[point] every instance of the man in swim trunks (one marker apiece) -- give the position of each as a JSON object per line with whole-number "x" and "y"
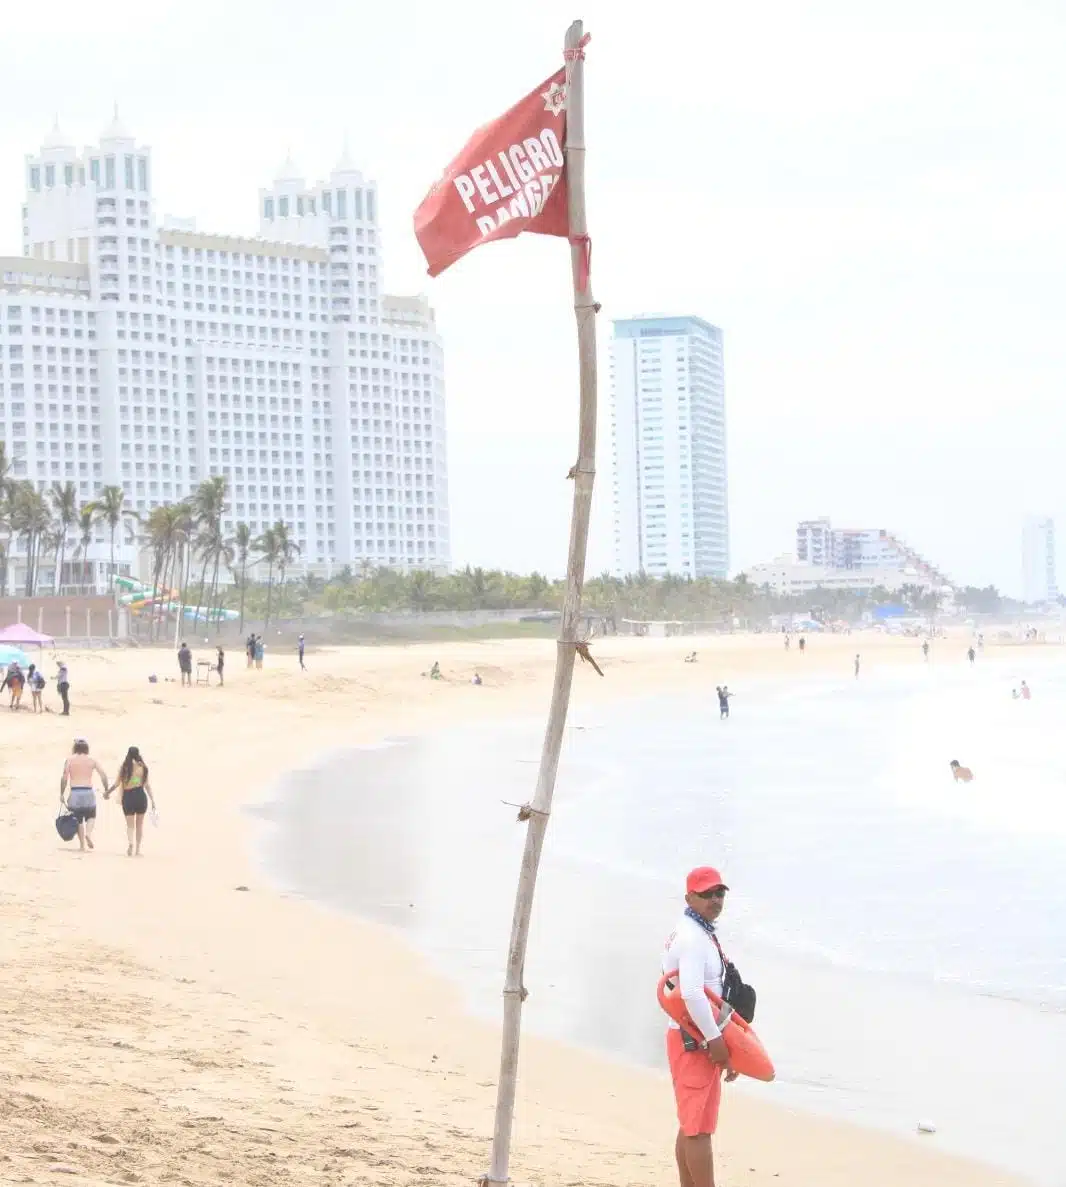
{"x": 962, "y": 774}
{"x": 698, "y": 1061}
{"x": 78, "y": 771}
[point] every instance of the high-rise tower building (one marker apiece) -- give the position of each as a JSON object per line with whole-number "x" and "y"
{"x": 1039, "y": 573}
{"x": 153, "y": 356}
{"x": 668, "y": 436}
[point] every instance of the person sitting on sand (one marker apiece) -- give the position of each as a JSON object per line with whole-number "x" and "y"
{"x": 690, "y": 658}
{"x": 78, "y": 771}
{"x": 136, "y": 793}
{"x": 962, "y": 774}
{"x": 434, "y": 672}
{"x": 36, "y": 682}
{"x": 477, "y": 678}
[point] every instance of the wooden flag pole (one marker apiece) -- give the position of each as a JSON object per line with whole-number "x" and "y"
{"x": 583, "y": 474}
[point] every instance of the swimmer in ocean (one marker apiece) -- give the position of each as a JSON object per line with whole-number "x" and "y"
{"x": 962, "y": 774}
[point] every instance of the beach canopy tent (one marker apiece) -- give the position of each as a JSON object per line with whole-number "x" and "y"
{"x": 21, "y": 634}
{"x": 15, "y": 655}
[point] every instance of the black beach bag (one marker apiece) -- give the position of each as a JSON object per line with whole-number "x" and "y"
{"x": 735, "y": 992}
{"x": 67, "y": 826}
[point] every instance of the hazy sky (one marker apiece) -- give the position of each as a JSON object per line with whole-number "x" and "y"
{"x": 870, "y": 200}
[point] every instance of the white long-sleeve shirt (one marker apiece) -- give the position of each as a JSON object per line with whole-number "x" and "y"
{"x": 693, "y": 956}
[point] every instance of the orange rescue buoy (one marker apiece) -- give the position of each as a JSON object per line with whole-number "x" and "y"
{"x": 746, "y": 1053}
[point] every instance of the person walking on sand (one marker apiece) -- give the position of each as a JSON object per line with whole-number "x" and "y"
{"x": 78, "y": 772}
{"x": 1026, "y": 693}
{"x": 36, "y": 682}
{"x": 300, "y": 652}
{"x": 136, "y": 794}
{"x": 971, "y": 655}
{"x": 63, "y": 687}
{"x": 697, "y": 1064}
{"x": 962, "y": 774}
{"x": 856, "y": 667}
{"x": 802, "y": 643}
{"x": 249, "y": 649}
{"x": 723, "y": 701}
{"x": 259, "y": 649}
{"x": 925, "y": 650}
{"x": 220, "y": 667}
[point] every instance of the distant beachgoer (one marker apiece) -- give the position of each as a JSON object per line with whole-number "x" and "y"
{"x": 925, "y": 650}
{"x": 220, "y": 667}
{"x": 803, "y": 643}
{"x": 856, "y": 667}
{"x": 36, "y": 682}
{"x": 434, "y": 672}
{"x": 962, "y": 774}
{"x": 63, "y": 687}
{"x": 132, "y": 778}
{"x": 259, "y": 649}
{"x": 788, "y": 642}
{"x": 697, "y": 1062}
{"x": 972, "y": 655}
{"x": 980, "y": 642}
{"x": 724, "y": 696}
{"x": 690, "y": 658}
{"x": 1014, "y": 694}
{"x": 477, "y": 678}
{"x": 78, "y": 771}
{"x": 1026, "y": 694}
{"x": 249, "y": 649}
{"x": 300, "y": 652}
{"x": 185, "y": 664}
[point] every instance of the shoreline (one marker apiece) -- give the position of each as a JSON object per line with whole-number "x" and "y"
{"x": 262, "y": 1035}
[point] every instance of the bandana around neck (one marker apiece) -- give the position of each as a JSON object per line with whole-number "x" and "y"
{"x": 707, "y": 926}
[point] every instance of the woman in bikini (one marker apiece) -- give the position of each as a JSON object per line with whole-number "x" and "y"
{"x": 78, "y": 772}
{"x": 136, "y": 794}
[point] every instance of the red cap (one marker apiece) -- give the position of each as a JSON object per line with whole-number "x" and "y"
{"x": 702, "y": 879}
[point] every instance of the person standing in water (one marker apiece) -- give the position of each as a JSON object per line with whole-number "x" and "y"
{"x": 697, "y": 1064}
{"x": 136, "y": 793}
{"x": 78, "y": 772}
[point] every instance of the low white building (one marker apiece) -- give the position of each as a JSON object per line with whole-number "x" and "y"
{"x": 791, "y": 578}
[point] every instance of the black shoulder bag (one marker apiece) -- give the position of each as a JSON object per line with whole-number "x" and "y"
{"x": 735, "y": 992}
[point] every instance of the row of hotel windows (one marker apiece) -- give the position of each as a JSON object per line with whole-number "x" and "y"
{"x": 134, "y": 168}
{"x": 303, "y": 204}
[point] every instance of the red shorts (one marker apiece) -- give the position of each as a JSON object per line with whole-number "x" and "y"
{"x": 697, "y": 1086}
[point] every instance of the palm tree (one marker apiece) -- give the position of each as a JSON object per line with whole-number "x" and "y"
{"x": 30, "y": 519}
{"x": 278, "y": 549}
{"x": 109, "y": 508}
{"x": 242, "y": 542}
{"x": 5, "y": 514}
{"x": 65, "y": 505}
{"x": 208, "y": 509}
{"x": 86, "y": 527}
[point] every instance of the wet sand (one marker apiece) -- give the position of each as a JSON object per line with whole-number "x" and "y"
{"x": 175, "y": 1019}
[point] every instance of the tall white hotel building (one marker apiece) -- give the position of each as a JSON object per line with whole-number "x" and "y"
{"x": 153, "y": 355}
{"x": 668, "y": 437}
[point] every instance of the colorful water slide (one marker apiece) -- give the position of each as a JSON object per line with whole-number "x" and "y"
{"x": 137, "y": 597}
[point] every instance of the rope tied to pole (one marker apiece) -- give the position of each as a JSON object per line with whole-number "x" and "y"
{"x": 584, "y": 268}
{"x": 586, "y": 656}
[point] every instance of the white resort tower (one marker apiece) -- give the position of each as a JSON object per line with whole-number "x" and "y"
{"x": 668, "y": 438}
{"x": 152, "y": 355}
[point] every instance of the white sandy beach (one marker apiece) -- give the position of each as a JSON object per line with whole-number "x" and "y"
{"x": 174, "y": 1019}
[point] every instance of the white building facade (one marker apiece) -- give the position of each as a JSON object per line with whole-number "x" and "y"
{"x": 668, "y": 438}
{"x": 1039, "y": 572}
{"x": 153, "y": 356}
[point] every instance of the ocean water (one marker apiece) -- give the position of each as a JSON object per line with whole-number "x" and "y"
{"x": 906, "y": 934}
